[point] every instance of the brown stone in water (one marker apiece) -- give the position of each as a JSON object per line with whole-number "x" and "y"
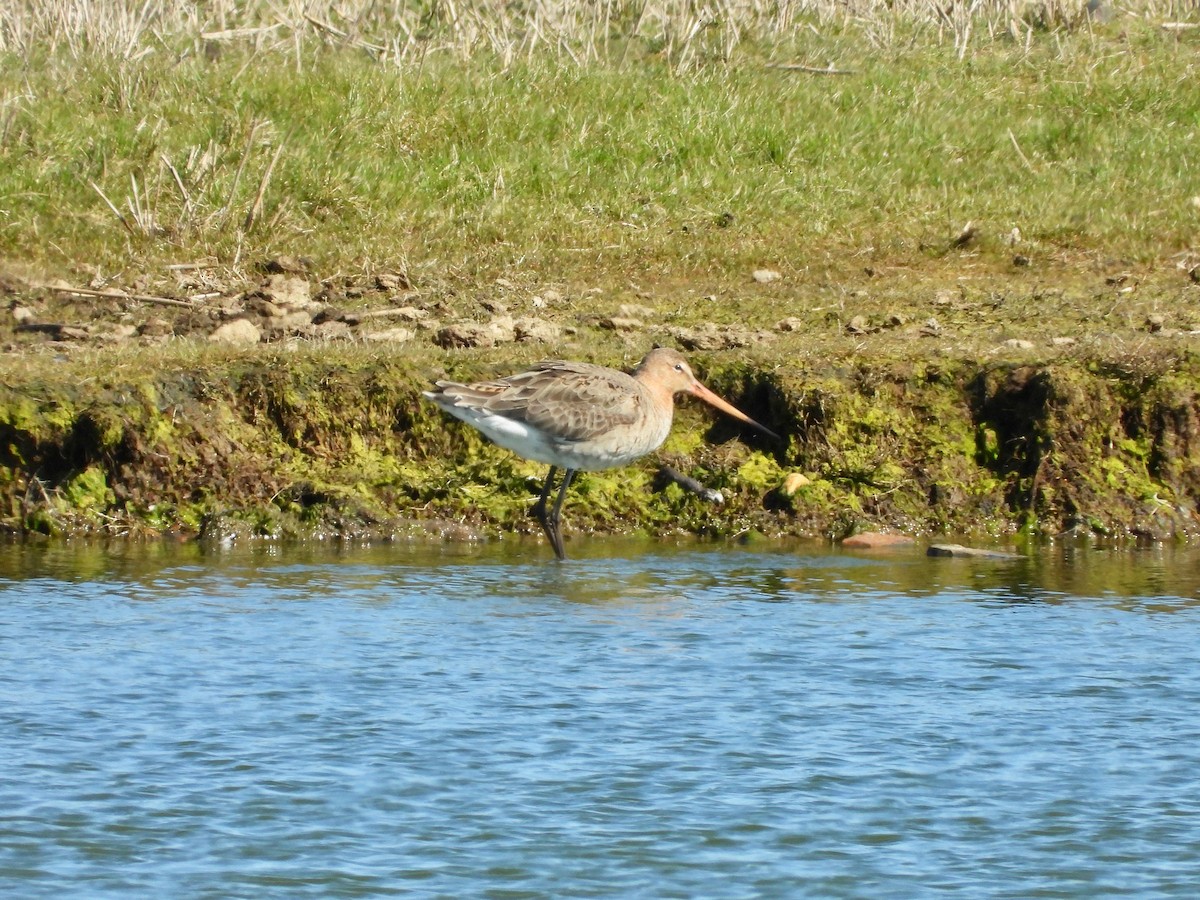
{"x": 960, "y": 550}
{"x": 876, "y": 540}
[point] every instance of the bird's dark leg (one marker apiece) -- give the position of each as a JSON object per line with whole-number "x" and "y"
{"x": 553, "y": 529}
{"x": 550, "y": 521}
{"x": 538, "y": 511}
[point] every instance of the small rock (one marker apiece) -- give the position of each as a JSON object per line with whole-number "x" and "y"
{"x": 21, "y": 314}
{"x": 328, "y": 314}
{"x": 858, "y": 325}
{"x": 503, "y": 329}
{"x": 635, "y": 311}
{"x": 331, "y": 330}
{"x": 895, "y": 320}
{"x": 704, "y": 337}
{"x": 1062, "y": 341}
{"x": 875, "y": 540}
{"x": 287, "y": 290}
{"x": 287, "y": 265}
{"x": 12, "y": 284}
{"x": 792, "y": 483}
{"x": 504, "y": 283}
{"x": 297, "y": 320}
{"x": 552, "y": 296}
{"x": 156, "y": 327}
{"x": 1155, "y": 322}
{"x": 946, "y": 297}
{"x": 791, "y": 323}
{"x": 1014, "y": 237}
{"x": 532, "y": 330}
{"x": 390, "y": 335}
{"x": 931, "y": 328}
{"x": 621, "y": 323}
{"x": 960, "y": 550}
{"x": 495, "y": 307}
{"x": 118, "y": 333}
{"x": 265, "y": 308}
{"x": 1020, "y": 260}
{"x": 392, "y": 281}
{"x": 464, "y": 334}
{"x": 239, "y": 331}
{"x": 1018, "y": 344}
{"x": 765, "y": 276}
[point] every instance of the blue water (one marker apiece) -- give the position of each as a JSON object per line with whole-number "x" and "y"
{"x": 644, "y": 722}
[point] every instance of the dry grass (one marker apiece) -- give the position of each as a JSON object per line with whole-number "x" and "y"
{"x": 686, "y": 32}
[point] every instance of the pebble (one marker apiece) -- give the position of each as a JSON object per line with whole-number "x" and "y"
{"x": 621, "y": 323}
{"x": 874, "y": 540}
{"x": 533, "y": 330}
{"x": 765, "y": 276}
{"x": 287, "y": 290}
{"x": 858, "y": 325}
{"x": 239, "y": 331}
{"x": 390, "y": 335}
{"x": 464, "y": 334}
{"x": 793, "y": 482}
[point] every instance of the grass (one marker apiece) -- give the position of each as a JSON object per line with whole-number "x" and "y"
{"x": 1082, "y": 140}
{"x": 651, "y": 153}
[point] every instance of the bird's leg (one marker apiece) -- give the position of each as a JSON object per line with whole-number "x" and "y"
{"x": 549, "y": 521}
{"x": 552, "y": 526}
{"x": 538, "y": 510}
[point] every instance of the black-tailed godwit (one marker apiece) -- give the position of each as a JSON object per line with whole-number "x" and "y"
{"x": 578, "y": 416}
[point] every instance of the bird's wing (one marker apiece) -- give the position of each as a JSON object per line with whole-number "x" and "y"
{"x": 567, "y": 401}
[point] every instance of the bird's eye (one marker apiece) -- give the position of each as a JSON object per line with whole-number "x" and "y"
{"x": 678, "y": 367}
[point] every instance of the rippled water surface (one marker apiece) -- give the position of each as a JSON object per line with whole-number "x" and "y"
{"x": 643, "y": 721}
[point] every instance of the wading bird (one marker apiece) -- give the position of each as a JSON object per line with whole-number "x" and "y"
{"x": 575, "y": 416}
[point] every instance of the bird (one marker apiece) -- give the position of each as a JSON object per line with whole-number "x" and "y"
{"x": 579, "y": 416}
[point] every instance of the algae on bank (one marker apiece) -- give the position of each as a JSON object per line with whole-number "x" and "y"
{"x": 336, "y": 441}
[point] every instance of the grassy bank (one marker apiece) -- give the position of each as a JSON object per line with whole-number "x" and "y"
{"x": 334, "y": 441}
{"x": 976, "y": 241}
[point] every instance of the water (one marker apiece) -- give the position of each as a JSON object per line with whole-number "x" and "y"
{"x": 640, "y": 722}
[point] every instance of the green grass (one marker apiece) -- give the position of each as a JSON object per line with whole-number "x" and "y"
{"x": 1084, "y": 141}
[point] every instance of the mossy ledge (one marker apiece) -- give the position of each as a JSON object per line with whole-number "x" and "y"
{"x": 316, "y": 442}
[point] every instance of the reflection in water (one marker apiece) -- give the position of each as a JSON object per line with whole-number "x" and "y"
{"x": 642, "y": 720}
{"x": 618, "y": 570}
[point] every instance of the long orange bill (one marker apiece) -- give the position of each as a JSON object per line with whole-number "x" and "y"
{"x": 699, "y": 390}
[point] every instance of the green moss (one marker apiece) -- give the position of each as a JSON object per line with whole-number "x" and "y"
{"x": 88, "y": 491}
{"x": 337, "y": 441}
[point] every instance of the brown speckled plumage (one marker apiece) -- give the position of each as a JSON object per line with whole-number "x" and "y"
{"x": 578, "y": 416}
